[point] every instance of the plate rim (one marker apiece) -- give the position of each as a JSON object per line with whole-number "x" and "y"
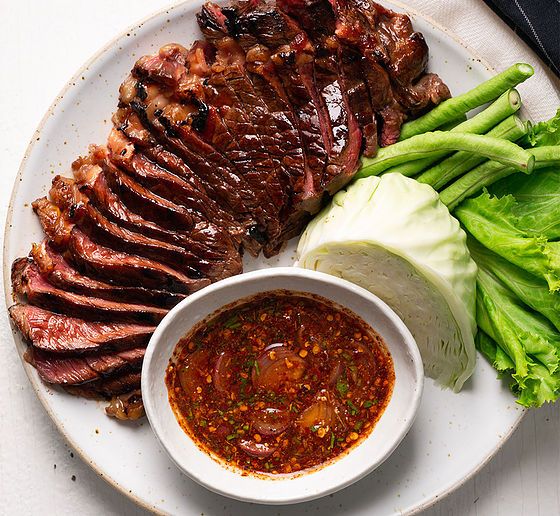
{"x": 37, "y": 385}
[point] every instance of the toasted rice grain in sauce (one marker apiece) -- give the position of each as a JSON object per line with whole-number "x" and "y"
{"x": 280, "y": 382}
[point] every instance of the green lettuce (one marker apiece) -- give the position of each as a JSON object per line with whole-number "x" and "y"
{"x": 545, "y": 133}
{"x": 530, "y": 289}
{"x": 537, "y": 206}
{"x": 491, "y": 220}
{"x": 526, "y": 337}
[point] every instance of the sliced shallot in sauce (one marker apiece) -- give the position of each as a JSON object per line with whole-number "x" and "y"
{"x": 271, "y": 421}
{"x": 222, "y": 376}
{"x": 276, "y": 367}
{"x": 320, "y": 413}
{"x": 191, "y": 372}
{"x": 260, "y": 450}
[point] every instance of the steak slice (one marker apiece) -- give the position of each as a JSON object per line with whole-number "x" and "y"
{"x": 107, "y": 264}
{"x": 61, "y": 334}
{"x": 62, "y": 370}
{"x": 56, "y": 269}
{"x": 27, "y": 281}
{"x": 107, "y": 387}
{"x": 316, "y": 17}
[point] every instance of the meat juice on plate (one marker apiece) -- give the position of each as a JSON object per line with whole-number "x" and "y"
{"x": 280, "y": 382}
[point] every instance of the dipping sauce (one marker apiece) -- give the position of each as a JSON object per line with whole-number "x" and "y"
{"x": 279, "y": 382}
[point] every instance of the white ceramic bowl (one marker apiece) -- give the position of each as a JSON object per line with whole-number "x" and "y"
{"x": 361, "y": 459}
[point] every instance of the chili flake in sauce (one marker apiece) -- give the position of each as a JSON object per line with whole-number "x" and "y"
{"x": 280, "y": 382}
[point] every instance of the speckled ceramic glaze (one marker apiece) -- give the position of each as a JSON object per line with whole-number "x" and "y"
{"x": 453, "y": 436}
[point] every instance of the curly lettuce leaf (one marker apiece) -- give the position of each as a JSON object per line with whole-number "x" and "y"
{"x": 528, "y": 339}
{"x": 530, "y": 289}
{"x": 545, "y": 133}
{"x": 537, "y": 210}
{"x": 492, "y": 222}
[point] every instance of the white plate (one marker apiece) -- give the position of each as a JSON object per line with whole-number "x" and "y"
{"x": 454, "y": 434}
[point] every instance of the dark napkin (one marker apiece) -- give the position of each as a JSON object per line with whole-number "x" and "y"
{"x": 537, "y": 22}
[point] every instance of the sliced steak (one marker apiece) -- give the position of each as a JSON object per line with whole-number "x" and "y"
{"x": 216, "y": 172}
{"x": 128, "y": 269}
{"x": 60, "y": 273}
{"x": 107, "y": 264}
{"x": 76, "y": 204}
{"x": 344, "y": 144}
{"x": 206, "y": 245}
{"x": 61, "y": 334}
{"x": 396, "y": 58}
{"x": 177, "y": 185}
{"x": 107, "y": 387}
{"x": 28, "y": 282}
{"x": 279, "y": 50}
{"x": 133, "y": 139}
{"x": 57, "y": 369}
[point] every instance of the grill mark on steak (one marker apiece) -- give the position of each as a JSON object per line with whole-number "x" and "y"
{"x": 56, "y": 269}
{"x": 56, "y": 333}
{"x": 92, "y": 222}
{"x": 287, "y": 56}
{"x": 317, "y": 19}
{"x": 352, "y": 64}
{"x": 27, "y": 282}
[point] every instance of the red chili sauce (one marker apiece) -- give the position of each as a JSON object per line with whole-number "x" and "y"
{"x": 279, "y": 382}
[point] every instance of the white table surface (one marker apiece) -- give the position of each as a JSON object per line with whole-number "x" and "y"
{"x": 41, "y": 46}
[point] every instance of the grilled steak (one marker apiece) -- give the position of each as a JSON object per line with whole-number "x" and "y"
{"x": 57, "y": 369}
{"x": 225, "y": 147}
{"x": 61, "y": 334}
{"x": 58, "y": 272}
{"x": 28, "y": 282}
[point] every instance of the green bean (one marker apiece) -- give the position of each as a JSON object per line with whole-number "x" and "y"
{"x": 455, "y": 106}
{"x": 490, "y": 172}
{"x": 453, "y": 123}
{"x": 425, "y": 145}
{"x": 546, "y": 156}
{"x": 457, "y": 164}
{"x": 507, "y": 104}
